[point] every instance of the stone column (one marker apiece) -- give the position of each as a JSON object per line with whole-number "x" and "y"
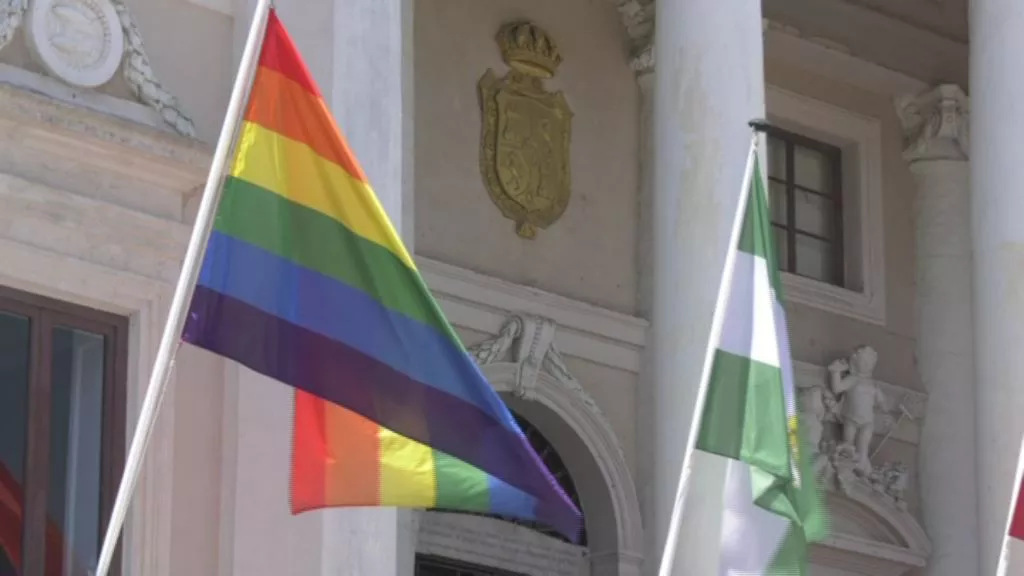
{"x": 709, "y": 84}
{"x": 936, "y": 124}
{"x": 997, "y": 203}
{"x": 371, "y": 97}
{"x": 360, "y": 53}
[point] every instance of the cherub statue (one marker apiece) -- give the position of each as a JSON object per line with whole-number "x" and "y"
{"x": 853, "y": 382}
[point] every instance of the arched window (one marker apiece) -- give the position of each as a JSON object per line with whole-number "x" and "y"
{"x": 553, "y": 461}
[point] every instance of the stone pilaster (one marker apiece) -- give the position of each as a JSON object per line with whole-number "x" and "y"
{"x": 937, "y": 151}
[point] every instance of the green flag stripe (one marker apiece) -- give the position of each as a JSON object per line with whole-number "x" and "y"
{"x": 745, "y": 414}
{"x": 757, "y": 237}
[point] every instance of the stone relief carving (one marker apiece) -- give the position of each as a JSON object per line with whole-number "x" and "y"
{"x": 78, "y": 41}
{"x": 524, "y": 148}
{"x": 937, "y": 123}
{"x": 841, "y": 417}
{"x": 529, "y": 342}
{"x": 638, "y": 18}
{"x": 84, "y": 42}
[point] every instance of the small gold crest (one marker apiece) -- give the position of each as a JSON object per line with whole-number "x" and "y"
{"x": 524, "y": 152}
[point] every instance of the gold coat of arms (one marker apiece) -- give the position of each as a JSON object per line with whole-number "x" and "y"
{"x": 524, "y": 153}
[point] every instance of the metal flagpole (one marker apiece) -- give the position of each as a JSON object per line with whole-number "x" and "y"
{"x": 717, "y": 319}
{"x": 1004, "y": 552}
{"x": 186, "y": 286}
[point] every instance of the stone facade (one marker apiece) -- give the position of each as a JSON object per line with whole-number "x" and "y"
{"x": 592, "y": 328}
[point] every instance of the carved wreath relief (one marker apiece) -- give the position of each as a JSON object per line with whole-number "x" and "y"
{"x": 84, "y": 43}
{"x": 524, "y": 152}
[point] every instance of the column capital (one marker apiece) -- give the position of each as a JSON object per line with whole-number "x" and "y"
{"x": 638, "y": 20}
{"x": 936, "y": 124}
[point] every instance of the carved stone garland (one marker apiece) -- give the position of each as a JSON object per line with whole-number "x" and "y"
{"x": 84, "y": 42}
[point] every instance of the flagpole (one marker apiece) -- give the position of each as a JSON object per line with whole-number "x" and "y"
{"x": 1004, "y": 552}
{"x": 717, "y": 319}
{"x": 190, "y": 268}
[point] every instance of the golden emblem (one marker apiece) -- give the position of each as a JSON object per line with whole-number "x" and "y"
{"x": 524, "y": 153}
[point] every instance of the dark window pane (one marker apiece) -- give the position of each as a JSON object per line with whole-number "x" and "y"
{"x": 814, "y": 214}
{"x": 778, "y": 201}
{"x": 813, "y": 169}
{"x": 76, "y": 414}
{"x": 776, "y": 158}
{"x": 15, "y": 342}
{"x": 781, "y": 248}
{"x": 814, "y": 258}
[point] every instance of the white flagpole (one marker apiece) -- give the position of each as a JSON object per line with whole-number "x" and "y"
{"x": 717, "y": 319}
{"x": 1004, "y": 553}
{"x": 186, "y": 286}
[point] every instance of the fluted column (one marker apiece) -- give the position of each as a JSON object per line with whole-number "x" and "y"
{"x": 708, "y": 84}
{"x": 936, "y": 123}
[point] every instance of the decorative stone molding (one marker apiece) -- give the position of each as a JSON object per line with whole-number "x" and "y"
{"x": 524, "y": 360}
{"x": 899, "y": 417}
{"x": 12, "y": 14}
{"x": 79, "y": 41}
{"x": 789, "y": 44}
{"x": 638, "y": 18}
{"x": 860, "y": 139}
{"x": 83, "y": 42}
{"x": 869, "y": 536}
{"x": 101, "y": 254}
{"x": 141, "y": 79}
{"x": 483, "y": 303}
{"x": 936, "y": 124}
{"x": 121, "y": 162}
{"x": 487, "y": 541}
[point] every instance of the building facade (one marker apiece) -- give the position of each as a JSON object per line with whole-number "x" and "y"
{"x": 565, "y": 173}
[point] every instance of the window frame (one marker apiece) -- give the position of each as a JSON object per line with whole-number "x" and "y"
{"x": 46, "y": 314}
{"x": 834, "y": 157}
{"x": 859, "y": 136}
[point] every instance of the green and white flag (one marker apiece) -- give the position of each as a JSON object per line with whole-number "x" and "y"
{"x": 773, "y": 508}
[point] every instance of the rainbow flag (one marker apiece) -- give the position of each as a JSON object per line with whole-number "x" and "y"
{"x": 305, "y": 280}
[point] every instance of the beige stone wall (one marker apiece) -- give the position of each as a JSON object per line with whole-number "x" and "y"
{"x": 818, "y": 336}
{"x": 589, "y": 253}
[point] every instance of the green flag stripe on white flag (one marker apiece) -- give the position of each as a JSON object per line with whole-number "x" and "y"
{"x": 750, "y": 415}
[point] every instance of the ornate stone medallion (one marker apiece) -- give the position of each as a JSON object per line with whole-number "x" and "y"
{"x": 524, "y": 153}
{"x": 78, "y": 41}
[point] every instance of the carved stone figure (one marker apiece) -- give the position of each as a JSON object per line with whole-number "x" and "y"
{"x": 524, "y": 153}
{"x": 853, "y": 382}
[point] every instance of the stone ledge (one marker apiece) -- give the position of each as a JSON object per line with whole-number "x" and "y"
{"x": 90, "y": 127}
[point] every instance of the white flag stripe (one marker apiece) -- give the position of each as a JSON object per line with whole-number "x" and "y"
{"x": 749, "y": 327}
{"x": 751, "y": 535}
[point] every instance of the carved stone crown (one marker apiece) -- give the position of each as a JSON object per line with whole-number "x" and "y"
{"x": 528, "y": 49}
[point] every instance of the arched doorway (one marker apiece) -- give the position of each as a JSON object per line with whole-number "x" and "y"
{"x": 440, "y": 565}
{"x": 578, "y": 444}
